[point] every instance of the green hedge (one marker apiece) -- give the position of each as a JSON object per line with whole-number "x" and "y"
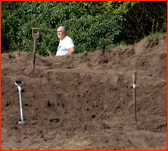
{"x": 94, "y": 32}
{"x": 89, "y": 33}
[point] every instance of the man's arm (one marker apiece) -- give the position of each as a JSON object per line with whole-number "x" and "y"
{"x": 71, "y": 50}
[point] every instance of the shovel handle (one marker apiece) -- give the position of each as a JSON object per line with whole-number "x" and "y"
{"x": 35, "y": 37}
{"x": 134, "y": 75}
{"x": 18, "y": 81}
{"x": 34, "y": 49}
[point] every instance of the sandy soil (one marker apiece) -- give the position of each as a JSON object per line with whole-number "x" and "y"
{"x": 88, "y": 105}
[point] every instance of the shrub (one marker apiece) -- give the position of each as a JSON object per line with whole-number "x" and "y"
{"x": 89, "y": 33}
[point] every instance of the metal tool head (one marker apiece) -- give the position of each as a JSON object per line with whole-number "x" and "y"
{"x": 35, "y": 35}
{"x": 21, "y": 122}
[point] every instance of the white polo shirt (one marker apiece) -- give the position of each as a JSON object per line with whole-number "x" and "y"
{"x": 64, "y": 45}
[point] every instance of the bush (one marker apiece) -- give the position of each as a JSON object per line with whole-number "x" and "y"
{"x": 89, "y": 33}
{"x": 149, "y": 18}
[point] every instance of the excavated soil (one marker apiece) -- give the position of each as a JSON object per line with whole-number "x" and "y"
{"x": 85, "y": 101}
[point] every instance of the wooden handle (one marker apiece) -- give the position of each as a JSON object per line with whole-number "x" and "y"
{"x": 134, "y": 93}
{"x": 34, "y": 56}
{"x": 35, "y": 37}
{"x": 34, "y": 49}
{"x": 134, "y": 77}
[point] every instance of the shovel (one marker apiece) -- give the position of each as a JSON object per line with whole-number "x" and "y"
{"x": 20, "y": 99}
{"x": 35, "y": 37}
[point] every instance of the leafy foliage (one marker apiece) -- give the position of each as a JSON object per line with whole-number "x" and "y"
{"x": 88, "y": 32}
{"x": 95, "y": 32}
{"x": 149, "y": 18}
{"x": 91, "y": 24}
{"x": 104, "y": 7}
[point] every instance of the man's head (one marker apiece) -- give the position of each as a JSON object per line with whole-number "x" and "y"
{"x": 61, "y": 32}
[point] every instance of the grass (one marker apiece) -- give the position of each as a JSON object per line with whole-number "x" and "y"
{"x": 155, "y": 36}
{"x": 150, "y": 38}
{"x": 121, "y": 44}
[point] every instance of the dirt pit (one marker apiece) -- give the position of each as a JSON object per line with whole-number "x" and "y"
{"x": 85, "y": 101}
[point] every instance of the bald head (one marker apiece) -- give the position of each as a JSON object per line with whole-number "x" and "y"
{"x": 61, "y": 32}
{"x": 63, "y": 28}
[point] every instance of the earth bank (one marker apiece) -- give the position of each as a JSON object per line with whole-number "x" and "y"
{"x": 84, "y": 101}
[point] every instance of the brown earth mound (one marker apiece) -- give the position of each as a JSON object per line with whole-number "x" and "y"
{"x": 88, "y": 105}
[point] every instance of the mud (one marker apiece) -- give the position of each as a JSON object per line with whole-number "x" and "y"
{"x": 85, "y": 101}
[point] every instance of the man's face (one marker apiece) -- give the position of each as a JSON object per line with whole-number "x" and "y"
{"x": 60, "y": 33}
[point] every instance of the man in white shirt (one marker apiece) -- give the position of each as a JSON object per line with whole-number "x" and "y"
{"x": 66, "y": 44}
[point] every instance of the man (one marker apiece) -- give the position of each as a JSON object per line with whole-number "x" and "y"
{"x": 66, "y": 44}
